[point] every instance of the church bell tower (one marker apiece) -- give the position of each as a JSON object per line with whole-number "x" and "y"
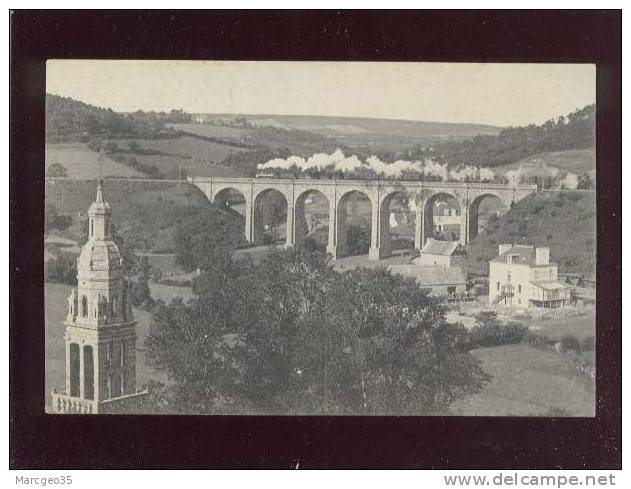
{"x": 100, "y": 335}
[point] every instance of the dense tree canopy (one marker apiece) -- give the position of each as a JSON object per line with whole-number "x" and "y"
{"x": 62, "y": 268}
{"x": 574, "y": 131}
{"x": 72, "y": 120}
{"x": 56, "y": 170}
{"x": 292, "y": 335}
{"x": 54, "y": 220}
{"x": 206, "y": 233}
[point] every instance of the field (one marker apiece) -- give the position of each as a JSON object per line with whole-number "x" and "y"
{"x": 309, "y": 134}
{"x": 353, "y": 125}
{"x": 213, "y": 131}
{"x": 55, "y": 300}
{"x": 299, "y": 135}
{"x": 580, "y": 326}
{"x": 195, "y": 156}
{"x": 528, "y": 382}
{"x": 190, "y": 153}
{"x": 81, "y": 162}
{"x": 269, "y": 135}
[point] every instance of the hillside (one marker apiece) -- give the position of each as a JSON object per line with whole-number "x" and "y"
{"x": 165, "y": 145}
{"x": 145, "y": 214}
{"x": 572, "y": 132}
{"x": 176, "y": 144}
{"x": 353, "y": 125}
{"x": 563, "y": 221}
{"x": 72, "y": 120}
{"x": 574, "y": 160}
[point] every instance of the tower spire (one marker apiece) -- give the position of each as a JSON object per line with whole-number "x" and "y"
{"x": 99, "y": 191}
{"x": 99, "y": 187}
{"x": 100, "y": 332}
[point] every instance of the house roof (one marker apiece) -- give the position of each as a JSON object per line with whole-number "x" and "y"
{"x": 436, "y": 247}
{"x": 432, "y": 275}
{"x": 550, "y": 285}
{"x": 524, "y": 255}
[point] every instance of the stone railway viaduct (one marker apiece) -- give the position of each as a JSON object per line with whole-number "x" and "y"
{"x": 379, "y": 193}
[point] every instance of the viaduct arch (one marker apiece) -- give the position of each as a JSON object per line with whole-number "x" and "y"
{"x": 380, "y": 194}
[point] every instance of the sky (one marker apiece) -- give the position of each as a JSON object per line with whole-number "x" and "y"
{"x": 484, "y": 93}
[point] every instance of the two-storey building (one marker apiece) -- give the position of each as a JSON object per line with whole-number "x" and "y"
{"x": 523, "y": 276}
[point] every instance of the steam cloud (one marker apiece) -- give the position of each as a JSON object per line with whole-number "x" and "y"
{"x": 551, "y": 174}
{"x": 338, "y": 162}
{"x": 349, "y": 165}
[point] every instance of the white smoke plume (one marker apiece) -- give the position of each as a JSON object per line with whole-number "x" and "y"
{"x": 514, "y": 176}
{"x": 569, "y": 182}
{"x": 548, "y": 176}
{"x": 338, "y": 162}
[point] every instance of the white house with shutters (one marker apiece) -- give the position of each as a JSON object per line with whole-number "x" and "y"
{"x": 523, "y": 276}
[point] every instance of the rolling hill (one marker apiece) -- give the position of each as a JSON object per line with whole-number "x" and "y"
{"x": 563, "y": 221}
{"x": 575, "y": 131}
{"x": 145, "y": 214}
{"x": 227, "y": 145}
{"x": 363, "y": 132}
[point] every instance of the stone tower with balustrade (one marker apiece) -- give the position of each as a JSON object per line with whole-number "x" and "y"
{"x": 100, "y": 334}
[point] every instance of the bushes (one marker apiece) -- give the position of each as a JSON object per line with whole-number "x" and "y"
{"x": 56, "y": 170}
{"x": 537, "y": 340}
{"x": 54, "y": 220}
{"x": 151, "y": 171}
{"x": 570, "y": 343}
{"x": 156, "y": 274}
{"x": 311, "y": 244}
{"x": 141, "y": 294}
{"x": 589, "y": 344}
{"x": 358, "y": 239}
{"x": 491, "y": 332}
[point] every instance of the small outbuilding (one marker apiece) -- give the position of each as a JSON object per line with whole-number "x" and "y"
{"x": 437, "y": 280}
{"x": 439, "y": 253}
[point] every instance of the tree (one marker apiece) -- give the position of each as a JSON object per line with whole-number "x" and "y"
{"x": 56, "y": 170}
{"x": 293, "y": 335}
{"x": 62, "y": 268}
{"x": 140, "y": 291}
{"x": 133, "y": 146}
{"x": 584, "y": 181}
{"x": 54, "y": 220}
{"x": 358, "y": 239}
{"x": 110, "y": 147}
{"x": 126, "y": 252}
{"x": 486, "y": 318}
{"x": 204, "y": 235}
{"x": 570, "y": 343}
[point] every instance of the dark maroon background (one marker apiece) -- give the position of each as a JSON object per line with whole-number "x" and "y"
{"x": 43, "y": 441}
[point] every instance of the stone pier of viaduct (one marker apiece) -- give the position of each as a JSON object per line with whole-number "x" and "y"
{"x": 379, "y": 194}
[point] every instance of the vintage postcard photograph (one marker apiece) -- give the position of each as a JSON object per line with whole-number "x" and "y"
{"x": 320, "y": 238}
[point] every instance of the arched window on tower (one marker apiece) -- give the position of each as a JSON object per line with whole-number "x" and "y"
{"x": 84, "y": 306}
{"x": 113, "y": 305}
{"x": 91, "y": 228}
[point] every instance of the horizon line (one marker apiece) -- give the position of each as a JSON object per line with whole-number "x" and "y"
{"x": 482, "y": 124}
